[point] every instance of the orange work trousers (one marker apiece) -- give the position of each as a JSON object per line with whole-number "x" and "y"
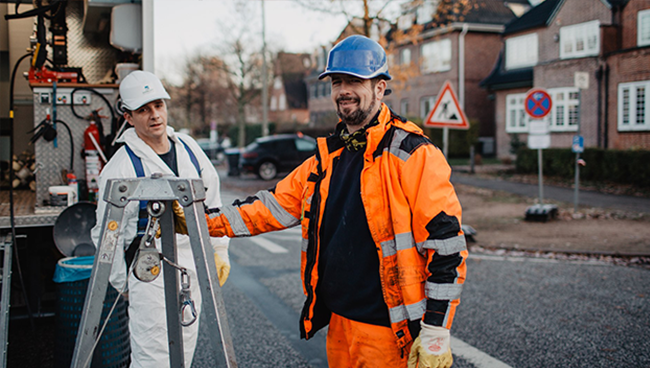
{"x": 352, "y": 344}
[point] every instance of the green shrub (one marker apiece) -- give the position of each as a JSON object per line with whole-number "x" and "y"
{"x": 624, "y": 167}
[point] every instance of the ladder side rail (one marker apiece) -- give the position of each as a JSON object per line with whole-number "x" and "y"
{"x": 214, "y": 308}
{"x": 6, "y": 294}
{"x": 115, "y": 196}
{"x": 171, "y": 282}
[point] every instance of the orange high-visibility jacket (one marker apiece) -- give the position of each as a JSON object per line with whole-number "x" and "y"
{"x": 413, "y": 214}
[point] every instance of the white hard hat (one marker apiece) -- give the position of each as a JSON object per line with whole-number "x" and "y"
{"x": 139, "y": 88}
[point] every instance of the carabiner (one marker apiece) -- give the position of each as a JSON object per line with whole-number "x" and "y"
{"x": 187, "y": 303}
{"x": 186, "y": 299}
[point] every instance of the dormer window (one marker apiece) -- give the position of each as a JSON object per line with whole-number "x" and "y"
{"x": 643, "y": 28}
{"x": 436, "y": 56}
{"x": 521, "y": 51}
{"x": 580, "y": 40}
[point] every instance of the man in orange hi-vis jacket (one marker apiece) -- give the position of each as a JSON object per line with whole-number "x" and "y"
{"x": 383, "y": 255}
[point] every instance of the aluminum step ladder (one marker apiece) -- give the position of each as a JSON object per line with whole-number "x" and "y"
{"x": 6, "y": 248}
{"x": 190, "y": 193}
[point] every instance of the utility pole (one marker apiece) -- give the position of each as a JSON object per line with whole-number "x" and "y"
{"x": 265, "y": 97}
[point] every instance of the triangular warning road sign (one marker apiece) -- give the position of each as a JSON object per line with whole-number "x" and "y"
{"x": 447, "y": 113}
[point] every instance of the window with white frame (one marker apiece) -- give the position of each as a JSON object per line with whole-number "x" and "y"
{"x": 277, "y": 83}
{"x": 521, "y": 51}
{"x": 436, "y": 56}
{"x": 633, "y": 106}
{"x": 404, "y": 107}
{"x": 643, "y": 28}
{"x": 580, "y": 40}
{"x": 282, "y": 103}
{"x": 564, "y": 115}
{"x": 426, "y": 104}
{"x": 274, "y": 103}
{"x": 516, "y": 117}
{"x": 405, "y": 56}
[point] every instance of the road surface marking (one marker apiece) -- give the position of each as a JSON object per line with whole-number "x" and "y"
{"x": 513, "y": 258}
{"x": 471, "y": 354}
{"x": 268, "y": 245}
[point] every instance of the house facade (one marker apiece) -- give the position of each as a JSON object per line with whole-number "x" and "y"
{"x": 449, "y": 47}
{"x": 428, "y": 46}
{"x": 561, "y": 45}
{"x": 288, "y": 93}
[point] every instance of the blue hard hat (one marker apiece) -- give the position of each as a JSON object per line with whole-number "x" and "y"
{"x": 358, "y": 56}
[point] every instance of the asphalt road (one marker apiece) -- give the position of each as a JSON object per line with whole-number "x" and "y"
{"x": 515, "y": 312}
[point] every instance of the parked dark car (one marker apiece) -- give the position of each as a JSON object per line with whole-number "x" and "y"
{"x": 268, "y": 156}
{"x": 214, "y": 150}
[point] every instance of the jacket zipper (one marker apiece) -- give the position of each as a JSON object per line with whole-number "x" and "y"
{"x": 313, "y": 237}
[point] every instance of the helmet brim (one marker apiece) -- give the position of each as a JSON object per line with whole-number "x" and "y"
{"x": 385, "y": 76}
{"x": 162, "y": 96}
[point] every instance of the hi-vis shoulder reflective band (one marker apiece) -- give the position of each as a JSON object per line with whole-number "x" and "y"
{"x": 139, "y": 171}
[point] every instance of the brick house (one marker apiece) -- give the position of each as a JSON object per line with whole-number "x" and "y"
{"x": 458, "y": 47}
{"x": 288, "y": 93}
{"x": 558, "y": 40}
{"x": 425, "y": 49}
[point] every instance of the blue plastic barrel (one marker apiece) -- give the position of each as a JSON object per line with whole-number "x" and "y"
{"x": 113, "y": 351}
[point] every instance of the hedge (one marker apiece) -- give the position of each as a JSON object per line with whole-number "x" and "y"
{"x": 624, "y": 167}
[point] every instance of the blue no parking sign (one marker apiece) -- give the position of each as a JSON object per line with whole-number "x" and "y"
{"x": 538, "y": 103}
{"x": 578, "y": 144}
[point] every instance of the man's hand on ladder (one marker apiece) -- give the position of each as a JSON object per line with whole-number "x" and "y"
{"x": 180, "y": 226}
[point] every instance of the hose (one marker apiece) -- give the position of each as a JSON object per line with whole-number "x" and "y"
{"x": 12, "y": 215}
{"x": 97, "y": 121}
{"x": 71, "y": 143}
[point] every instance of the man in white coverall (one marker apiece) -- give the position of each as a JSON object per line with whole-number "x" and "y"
{"x": 158, "y": 149}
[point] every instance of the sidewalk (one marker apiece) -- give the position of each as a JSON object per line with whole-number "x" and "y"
{"x": 501, "y": 227}
{"x": 585, "y": 198}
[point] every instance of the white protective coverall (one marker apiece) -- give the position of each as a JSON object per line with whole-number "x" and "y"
{"x": 147, "y": 318}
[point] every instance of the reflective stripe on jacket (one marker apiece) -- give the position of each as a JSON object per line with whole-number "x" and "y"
{"x": 413, "y": 214}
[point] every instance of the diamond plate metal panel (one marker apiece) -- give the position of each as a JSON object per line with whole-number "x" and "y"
{"x": 53, "y": 159}
{"x": 90, "y": 51}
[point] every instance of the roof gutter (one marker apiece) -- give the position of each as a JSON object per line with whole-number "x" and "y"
{"x": 458, "y": 26}
{"x": 461, "y": 66}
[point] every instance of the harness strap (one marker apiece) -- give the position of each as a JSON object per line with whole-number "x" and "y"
{"x": 139, "y": 171}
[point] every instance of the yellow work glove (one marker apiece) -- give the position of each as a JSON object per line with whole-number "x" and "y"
{"x": 223, "y": 269}
{"x": 431, "y": 349}
{"x": 180, "y": 226}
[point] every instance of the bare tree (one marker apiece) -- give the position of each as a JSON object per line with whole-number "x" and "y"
{"x": 240, "y": 45}
{"x": 202, "y": 96}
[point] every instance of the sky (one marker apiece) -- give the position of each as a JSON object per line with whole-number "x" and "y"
{"x": 184, "y": 28}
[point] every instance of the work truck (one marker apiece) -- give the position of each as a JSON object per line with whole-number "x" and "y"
{"x": 62, "y": 62}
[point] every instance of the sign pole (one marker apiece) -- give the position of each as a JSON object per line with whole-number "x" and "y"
{"x": 576, "y": 189}
{"x": 581, "y": 80}
{"x": 541, "y": 177}
{"x": 445, "y": 142}
{"x": 538, "y": 104}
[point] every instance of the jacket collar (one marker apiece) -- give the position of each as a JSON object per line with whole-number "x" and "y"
{"x": 146, "y": 153}
{"x": 385, "y": 121}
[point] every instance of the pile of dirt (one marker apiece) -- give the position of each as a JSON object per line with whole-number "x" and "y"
{"x": 498, "y": 218}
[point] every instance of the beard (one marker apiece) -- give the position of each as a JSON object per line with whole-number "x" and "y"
{"x": 357, "y": 117}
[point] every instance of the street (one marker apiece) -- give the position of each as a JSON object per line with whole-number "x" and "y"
{"x": 514, "y": 312}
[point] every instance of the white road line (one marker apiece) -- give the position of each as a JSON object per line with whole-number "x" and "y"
{"x": 471, "y": 354}
{"x": 268, "y": 245}
{"x": 489, "y": 257}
